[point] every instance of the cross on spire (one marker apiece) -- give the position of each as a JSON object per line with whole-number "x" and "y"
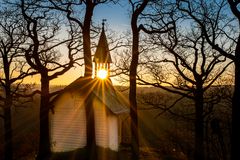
{"x": 103, "y": 23}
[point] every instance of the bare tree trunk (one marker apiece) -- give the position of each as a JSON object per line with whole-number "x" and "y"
{"x": 133, "y": 74}
{"x": 91, "y": 138}
{"x": 44, "y": 142}
{"x": 86, "y": 39}
{"x": 236, "y": 110}
{"x": 132, "y": 93}
{"x": 207, "y": 140}
{"x": 90, "y": 121}
{"x": 199, "y": 125}
{"x": 8, "y": 154}
{"x": 134, "y": 116}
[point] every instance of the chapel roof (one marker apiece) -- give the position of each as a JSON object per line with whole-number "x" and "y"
{"x": 102, "y": 89}
{"x": 106, "y": 93}
{"x": 102, "y": 54}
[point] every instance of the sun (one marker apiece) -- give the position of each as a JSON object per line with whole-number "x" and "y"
{"x": 102, "y": 73}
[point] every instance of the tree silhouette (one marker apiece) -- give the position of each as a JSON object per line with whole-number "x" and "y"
{"x": 190, "y": 72}
{"x": 137, "y": 14}
{"x": 43, "y": 26}
{"x": 220, "y": 24}
{"x": 137, "y": 9}
{"x": 14, "y": 69}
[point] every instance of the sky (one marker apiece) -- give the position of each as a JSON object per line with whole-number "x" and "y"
{"x": 117, "y": 16}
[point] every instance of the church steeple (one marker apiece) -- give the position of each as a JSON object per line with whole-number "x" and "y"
{"x": 102, "y": 57}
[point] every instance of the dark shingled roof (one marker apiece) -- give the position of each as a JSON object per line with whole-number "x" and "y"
{"x": 102, "y": 89}
{"x": 106, "y": 93}
{"x": 102, "y": 54}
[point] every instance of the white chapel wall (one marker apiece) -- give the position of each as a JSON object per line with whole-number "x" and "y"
{"x": 101, "y": 127}
{"x": 68, "y": 123}
{"x": 113, "y": 132}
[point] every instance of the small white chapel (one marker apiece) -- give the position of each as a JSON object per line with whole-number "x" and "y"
{"x": 68, "y": 118}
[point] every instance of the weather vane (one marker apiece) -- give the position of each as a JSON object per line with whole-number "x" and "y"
{"x": 103, "y": 22}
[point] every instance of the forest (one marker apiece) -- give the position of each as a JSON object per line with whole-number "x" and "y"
{"x": 177, "y": 63}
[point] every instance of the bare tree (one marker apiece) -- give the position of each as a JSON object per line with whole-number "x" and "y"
{"x": 141, "y": 12}
{"x": 190, "y": 72}
{"x": 43, "y": 26}
{"x": 13, "y": 70}
{"x": 220, "y": 24}
{"x": 137, "y": 9}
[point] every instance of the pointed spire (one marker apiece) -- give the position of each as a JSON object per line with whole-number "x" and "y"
{"x": 102, "y": 54}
